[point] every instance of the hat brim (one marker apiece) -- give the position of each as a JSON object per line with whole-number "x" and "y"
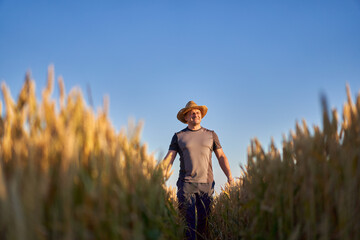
{"x": 182, "y": 112}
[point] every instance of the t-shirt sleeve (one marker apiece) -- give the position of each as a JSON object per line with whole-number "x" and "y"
{"x": 174, "y": 143}
{"x": 216, "y": 144}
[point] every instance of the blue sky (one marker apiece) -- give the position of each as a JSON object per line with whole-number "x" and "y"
{"x": 259, "y": 66}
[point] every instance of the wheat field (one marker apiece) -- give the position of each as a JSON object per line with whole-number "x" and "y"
{"x": 66, "y": 173}
{"x": 308, "y": 190}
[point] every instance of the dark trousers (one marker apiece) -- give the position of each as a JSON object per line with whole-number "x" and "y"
{"x": 194, "y": 204}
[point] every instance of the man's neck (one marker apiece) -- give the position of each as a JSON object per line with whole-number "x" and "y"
{"x": 194, "y": 127}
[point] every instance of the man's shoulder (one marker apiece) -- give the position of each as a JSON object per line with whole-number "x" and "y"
{"x": 186, "y": 130}
{"x": 182, "y": 131}
{"x": 207, "y": 130}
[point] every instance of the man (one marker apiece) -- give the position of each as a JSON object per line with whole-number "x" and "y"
{"x": 195, "y": 145}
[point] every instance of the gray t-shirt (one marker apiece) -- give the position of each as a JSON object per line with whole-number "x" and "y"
{"x": 195, "y": 148}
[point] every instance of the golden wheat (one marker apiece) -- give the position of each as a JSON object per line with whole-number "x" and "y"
{"x": 67, "y": 174}
{"x": 311, "y": 190}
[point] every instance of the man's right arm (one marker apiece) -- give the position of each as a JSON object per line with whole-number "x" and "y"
{"x": 170, "y": 156}
{"x": 169, "y": 159}
{"x": 168, "y": 162}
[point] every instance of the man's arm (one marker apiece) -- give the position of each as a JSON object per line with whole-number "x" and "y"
{"x": 169, "y": 158}
{"x": 168, "y": 162}
{"x": 224, "y": 164}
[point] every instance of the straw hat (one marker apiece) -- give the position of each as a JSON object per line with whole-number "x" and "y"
{"x": 189, "y": 106}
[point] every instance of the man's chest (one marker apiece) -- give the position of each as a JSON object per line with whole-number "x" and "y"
{"x": 195, "y": 141}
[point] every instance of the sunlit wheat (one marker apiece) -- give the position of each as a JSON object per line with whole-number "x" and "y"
{"x": 65, "y": 173}
{"x": 311, "y": 190}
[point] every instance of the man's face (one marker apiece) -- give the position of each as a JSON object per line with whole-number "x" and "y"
{"x": 193, "y": 116}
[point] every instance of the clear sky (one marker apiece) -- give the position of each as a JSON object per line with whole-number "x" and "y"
{"x": 259, "y": 66}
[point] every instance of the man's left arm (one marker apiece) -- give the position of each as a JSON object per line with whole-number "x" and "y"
{"x": 224, "y": 164}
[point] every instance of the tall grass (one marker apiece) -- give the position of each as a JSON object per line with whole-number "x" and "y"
{"x": 67, "y": 174}
{"x": 311, "y": 190}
